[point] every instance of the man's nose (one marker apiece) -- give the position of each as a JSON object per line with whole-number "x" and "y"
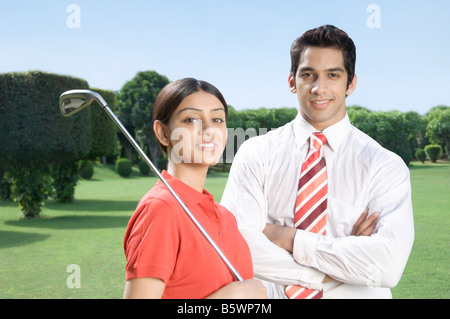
{"x": 319, "y": 86}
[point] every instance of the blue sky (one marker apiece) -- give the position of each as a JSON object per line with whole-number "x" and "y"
{"x": 241, "y": 46}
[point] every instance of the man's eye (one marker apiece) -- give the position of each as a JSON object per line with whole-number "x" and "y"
{"x": 306, "y": 75}
{"x": 334, "y": 75}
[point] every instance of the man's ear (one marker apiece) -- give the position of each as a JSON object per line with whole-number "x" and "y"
{"x": 291, "y": 82}
{"x": 351, "y": 86}
{"x": 161, "y": 132}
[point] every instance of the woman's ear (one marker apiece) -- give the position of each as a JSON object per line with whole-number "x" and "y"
{"x": 161, "y": 132}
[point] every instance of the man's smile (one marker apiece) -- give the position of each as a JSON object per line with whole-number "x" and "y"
{"x": 321, "y": 103}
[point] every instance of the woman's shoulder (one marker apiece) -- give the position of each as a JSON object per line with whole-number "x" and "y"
{"x": 157, "y": 195}
{"x": 157, "y": 203}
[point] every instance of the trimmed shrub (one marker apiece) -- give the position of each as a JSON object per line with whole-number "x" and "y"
{"x": 144, "y": 169}
{"x": 32, "y": 127}
{"x": 433, "y": 152}
{"x": 5, "y": 186}
{"x": 104, "y": 131}
{"x": 123, "y": 167}
{"x": 87, "y": 169}
{"x": 35, "y": 136}
{"x": 29, "y": 188}
{"x": 420, "y": 155}
{"x": 65, "y": 179}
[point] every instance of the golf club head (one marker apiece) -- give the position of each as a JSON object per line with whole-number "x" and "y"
{"x": 73, "y": 101}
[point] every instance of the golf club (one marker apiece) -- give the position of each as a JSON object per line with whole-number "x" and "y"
{"x": 73, "y": 101}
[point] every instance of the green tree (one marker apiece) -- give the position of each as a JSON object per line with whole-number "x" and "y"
{"x": 416, "y": 127}
{"x": 134, "y": 103}
{"x": 390, "y": 129}
{"x": 283, "y": 116}
{"x": 438, "y": 127}
{"x": 245, "y": 124}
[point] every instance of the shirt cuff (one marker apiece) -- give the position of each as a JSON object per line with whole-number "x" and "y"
{"x": 305, "y": 244}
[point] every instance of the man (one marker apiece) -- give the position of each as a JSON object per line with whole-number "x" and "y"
{"x": 264, "y": 192}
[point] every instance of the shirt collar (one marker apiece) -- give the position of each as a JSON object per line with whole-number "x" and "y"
{"x": 187, "y": 194}
{"x": 335, "y": 134}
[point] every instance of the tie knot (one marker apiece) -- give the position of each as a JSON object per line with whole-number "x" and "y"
{"x": 318, "y": 140}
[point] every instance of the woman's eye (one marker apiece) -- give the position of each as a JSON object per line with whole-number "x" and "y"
{"x": 218, "y": 120}
{"x": 190, "y": 120}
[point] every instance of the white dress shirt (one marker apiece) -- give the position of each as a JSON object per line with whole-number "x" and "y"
{"x": 262, "y": 188}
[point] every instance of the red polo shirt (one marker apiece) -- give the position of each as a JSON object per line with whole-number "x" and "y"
{"x": 162, "y": 242}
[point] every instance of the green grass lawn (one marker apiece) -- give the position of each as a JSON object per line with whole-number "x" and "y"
{"x": 35, "y": 254}
{"x": 427, "y": 272}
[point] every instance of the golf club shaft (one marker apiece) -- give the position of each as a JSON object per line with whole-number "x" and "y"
{"x": 188, "y": 212}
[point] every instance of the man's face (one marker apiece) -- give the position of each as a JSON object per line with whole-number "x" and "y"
{"x": 321, "y": 86}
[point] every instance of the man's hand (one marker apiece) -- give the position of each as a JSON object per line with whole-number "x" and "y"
{"x": 282, "y": 236}
{"x": 364, "y": 226}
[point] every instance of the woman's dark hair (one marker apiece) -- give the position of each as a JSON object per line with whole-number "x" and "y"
{"x": 326, "y": 36}
{"x": 171, "y": 96}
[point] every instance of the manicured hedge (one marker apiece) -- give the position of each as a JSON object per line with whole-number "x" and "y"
{"x": 433, "y": 151}
{"x": 39, "y": 146}
{"x": 103, "y": 129}
{"x": 32, "y": 128}
{"x": 124, "y": 167}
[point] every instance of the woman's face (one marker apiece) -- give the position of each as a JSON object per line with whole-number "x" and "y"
{"x": 197, "y": 130}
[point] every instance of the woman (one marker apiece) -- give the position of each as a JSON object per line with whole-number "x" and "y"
{"x": 167, "y": 256}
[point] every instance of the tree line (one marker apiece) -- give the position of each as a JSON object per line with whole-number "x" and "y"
{"x": 42, "y": 153}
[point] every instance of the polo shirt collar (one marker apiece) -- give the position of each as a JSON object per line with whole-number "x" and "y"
{"x": 335, "y": 134}
{"x": 187, "y": 194}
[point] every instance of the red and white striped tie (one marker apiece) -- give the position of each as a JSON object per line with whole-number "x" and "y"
{"x": 311, "y": 203}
